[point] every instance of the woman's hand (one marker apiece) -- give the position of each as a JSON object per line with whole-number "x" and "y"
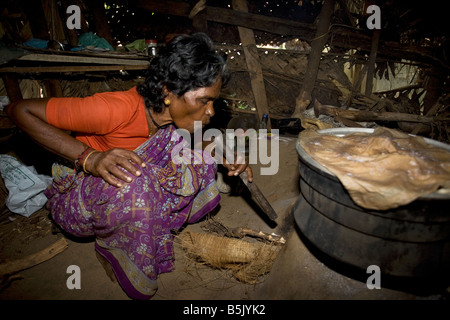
{"x": 239, "y": 166}
{"x": 108, "y": 164}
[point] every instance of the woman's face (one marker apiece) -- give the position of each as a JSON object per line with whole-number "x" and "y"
{"x": 195, "y": 105}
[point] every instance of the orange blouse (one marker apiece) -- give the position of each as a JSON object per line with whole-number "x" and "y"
{"x": 103, "y": 121}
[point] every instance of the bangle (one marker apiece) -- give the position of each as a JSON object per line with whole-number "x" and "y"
{"x": 81, "y": 157}
{"x": 85, "y": 159}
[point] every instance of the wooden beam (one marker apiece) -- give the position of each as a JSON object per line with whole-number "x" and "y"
{"x": 343, "y": 36}
{"x": 198, "y": 16}
{"x": 253, "y": 65}
{"x": 231, "y": 17}
{"x": 260, "y": 22}
{"x": 363, "y": 115}
{"x": 79, "y": 59}
{"x": 65, "y": 69}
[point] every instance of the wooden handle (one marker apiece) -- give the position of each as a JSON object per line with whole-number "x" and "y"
{"x": 259, "y": 197}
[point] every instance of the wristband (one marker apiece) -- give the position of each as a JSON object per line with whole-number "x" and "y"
{"x": 78, "y": 162}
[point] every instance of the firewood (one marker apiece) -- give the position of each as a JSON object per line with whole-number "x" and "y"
{"x": 242, "y": 232}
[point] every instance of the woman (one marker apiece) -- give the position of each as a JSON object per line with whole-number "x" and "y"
{"x": 126, "y": 190}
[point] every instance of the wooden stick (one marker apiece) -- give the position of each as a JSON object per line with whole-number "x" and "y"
{"x": 252, "y": 187}
{"x": 240, "y": 232}
{"x": 361, "y": 115}
{"x": 34, "y": 259}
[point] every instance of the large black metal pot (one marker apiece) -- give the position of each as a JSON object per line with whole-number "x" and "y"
{"x": 408, "y": 241}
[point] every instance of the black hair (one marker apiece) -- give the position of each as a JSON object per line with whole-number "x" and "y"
{"x": 188, "y": 62}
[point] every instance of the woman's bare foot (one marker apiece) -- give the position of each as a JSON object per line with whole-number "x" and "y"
{"x": 107, "y": 266}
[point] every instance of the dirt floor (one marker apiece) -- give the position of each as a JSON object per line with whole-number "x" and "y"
{"x": 296, "y": 273}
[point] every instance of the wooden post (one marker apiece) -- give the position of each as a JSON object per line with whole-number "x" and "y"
{"x": 35, "y": 14}
{"x": 53, "y": 88}
{"x": 198, "y": 16}
{"x": 200, "y": 23}
{"x": 72, "y": 37}
{"x": 101, "y": 22}
{"x": 356, "y": 85}
{"x": 253, "y": 65}
{"x": 433, "y": 85}
{"x": 304, "y": 98}
{"x": 371, "y": 62}
{"x": 14, "y": 94}
{"x": 12, "y": 88}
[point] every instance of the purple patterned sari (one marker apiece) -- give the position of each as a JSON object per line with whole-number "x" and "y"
{"x": 132, "y": 224}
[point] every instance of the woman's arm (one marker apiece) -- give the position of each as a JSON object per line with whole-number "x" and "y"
{"x": 30, "y": 116}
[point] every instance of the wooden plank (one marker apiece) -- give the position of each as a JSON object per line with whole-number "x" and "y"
{"x": 79, "y": 59}
{"x": 253, "y": 65}
{"x": 64, "y": 69}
